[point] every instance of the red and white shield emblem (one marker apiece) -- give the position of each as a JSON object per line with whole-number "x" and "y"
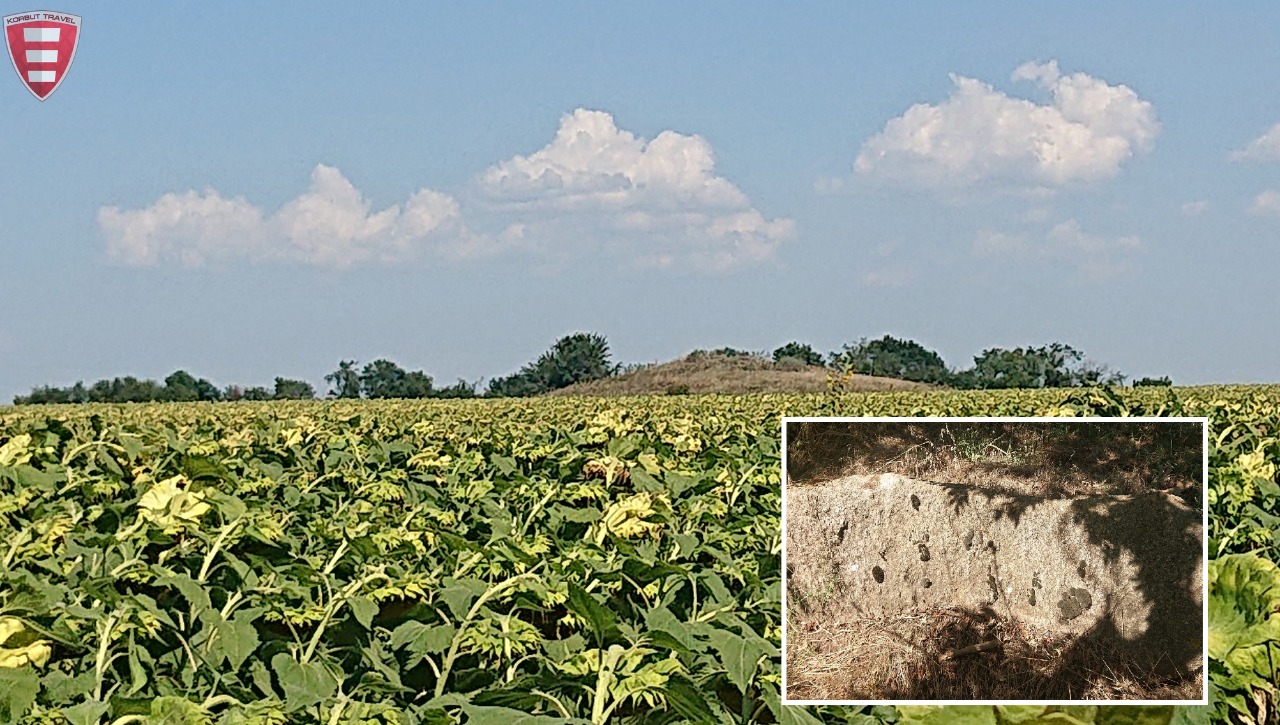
{"x": 42, "y": 45}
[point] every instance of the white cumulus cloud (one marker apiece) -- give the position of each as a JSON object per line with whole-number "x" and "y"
{"x": 1266, "y": 204}
{"x": 657, "y": 202}
{"x": 594, "y": 191}
{"x": 887, "y": 277}
{"x": 989, "y": 241}
{"x": 1263, "y": 148}
{"x": 1092, "y": 256}
{"x": 1194, "y": 208}
{"x": 1085, "y": 132}
{"x": 331, "y": 224}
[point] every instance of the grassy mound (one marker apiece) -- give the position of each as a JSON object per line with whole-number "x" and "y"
{"x": 700, "y": 373}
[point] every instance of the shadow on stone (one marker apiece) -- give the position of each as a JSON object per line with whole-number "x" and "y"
{"x": 1076, "y": 590}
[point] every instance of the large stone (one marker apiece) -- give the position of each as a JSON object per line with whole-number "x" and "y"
{"x": 1126, "y": 568}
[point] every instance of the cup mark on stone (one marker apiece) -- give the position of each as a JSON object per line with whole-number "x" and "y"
{"x": 926, "y": 583}
{"x": 968, "y": 540}
{"x": 915, "y": 502}
{"x": 1033, "y": 596}
{"x": 1081, "y": 569}
{"x": 924, "y": 553}
{"x": 878, "y": 574}
{"x": 1074, "y": 602}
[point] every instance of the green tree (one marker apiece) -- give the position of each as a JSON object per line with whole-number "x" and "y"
{"x": 345, "y": 380}
{"x": 575, "y": 358}
{"x": 1162, "y": 381}
{"x": 287, "y": 389}
{"x": 891, "y": 357}
{"x": 45, "y": 394}
{"x": 1050, "y": 366}
{"x": 385, "y": 379}
{"x": 182, "y": 385}
{"x": 1000, "y": 368}
{"x": 798, "y": 351}
{"x": 257, "y": 392}
{"x": 236, "y": 392}
{"x": 460, "y": 389}
{"x": 381, "y": 379}
{"x": 126, "y": 390}
{"x": 417, "y": 384}
{"x": 519, "y": 385}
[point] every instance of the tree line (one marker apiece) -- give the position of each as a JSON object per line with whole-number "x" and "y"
{"x": 582, "y": 357}
{"x": 574, "y": 358}
{"x": 1055, "y": 365}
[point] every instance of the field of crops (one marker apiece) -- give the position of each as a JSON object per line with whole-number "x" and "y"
{"x": 520, "y": 561}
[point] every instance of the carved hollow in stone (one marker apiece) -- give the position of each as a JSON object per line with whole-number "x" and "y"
{"x": 1074, "y": 602}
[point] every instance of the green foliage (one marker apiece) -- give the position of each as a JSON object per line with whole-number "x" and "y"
{"x": 385, "y": 379}
{"x": 345, "y": 381}
{"x": 308, "y": 562}
{"x": 1051, "y": 366}
{"x": 1243, "y": 466}
{"x": 182, "y": 386}
{"x": 1244, "y": 631}
{"x": 523, "y": 384}
{"x": 406, "y": 561}
{"x": 46, "y": 394}
{"x": 287, "y": 389}
{"x": 1162, "y": 381}
{"x": 892, "y": 358}
{"x": 1035, "y": 715}
{"x": 460, "y": 389}
{"x": 576, "y": 358}
{"x": 720, "y": 352}
{"x": 798, "y": 351}
{"x": 233, "y": 393}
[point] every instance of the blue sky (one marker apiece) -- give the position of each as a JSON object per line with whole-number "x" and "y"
{"x": 244, "y": 194}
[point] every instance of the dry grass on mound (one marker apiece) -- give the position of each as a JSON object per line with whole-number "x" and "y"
{"x": 740, "y": 375}
{"x": 1041, "y": 459}
{"x": 904, "y": 658}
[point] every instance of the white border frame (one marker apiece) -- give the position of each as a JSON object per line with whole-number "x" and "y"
{"x": 1204, "y": 517}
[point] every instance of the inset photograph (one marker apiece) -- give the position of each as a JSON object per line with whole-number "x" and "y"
{"x": 994, "y": 560}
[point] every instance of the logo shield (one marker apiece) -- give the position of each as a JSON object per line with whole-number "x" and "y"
{"x": 42, "y": 45}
